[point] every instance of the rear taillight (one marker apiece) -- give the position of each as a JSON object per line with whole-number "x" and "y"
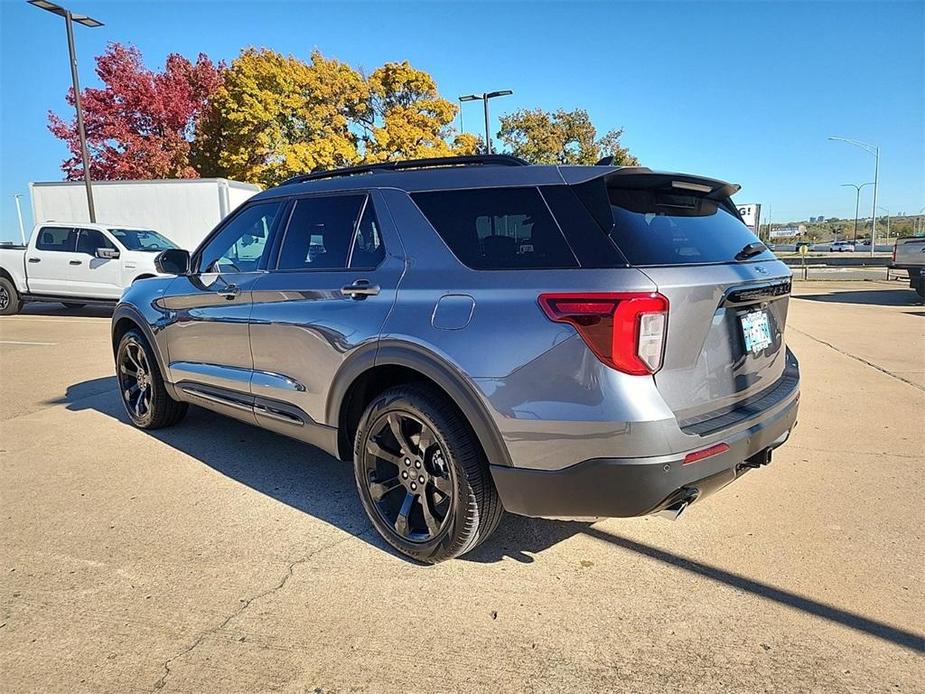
{"x": 626, "y": 331}
{"x": 705, "y": 453}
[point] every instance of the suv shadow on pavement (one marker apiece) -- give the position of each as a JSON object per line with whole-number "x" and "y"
{"x": 310, "y": 481}
{"x": 299, "y": 475}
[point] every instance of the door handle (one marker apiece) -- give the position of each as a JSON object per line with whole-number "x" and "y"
{"x": 360, "y": 289}
{"x": 75, "y": 262}
{"x": 35, "y": 260}
{"x": 229, "y": 292}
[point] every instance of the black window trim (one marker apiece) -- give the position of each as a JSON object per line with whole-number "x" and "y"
{"x": 196, "y": 257}
{"x": 273, "y": 265}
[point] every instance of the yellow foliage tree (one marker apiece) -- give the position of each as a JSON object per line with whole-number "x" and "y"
{"x": 560, "y": 137}
{"x": 276, "y": 116}
{"x": 407, "y": 118}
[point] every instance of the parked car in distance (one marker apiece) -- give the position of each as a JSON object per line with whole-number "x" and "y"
{"x": 841, "y": 247}
{"x": 476, "y": 334}
{"x": 909, "y": 255}
{"x": 76, "y": 264}
{"x": 803, "y": 244}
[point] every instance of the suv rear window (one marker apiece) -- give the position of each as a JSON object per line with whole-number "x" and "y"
{"x": 497, "y": 228}
{"x": 655, "y": 227}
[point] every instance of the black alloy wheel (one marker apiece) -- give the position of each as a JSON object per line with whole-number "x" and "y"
{"x": 141, "y": 385}
{"x": 407, "y": 476}
{"x": 135, "y": 380}
{"x": 422, "y": 476}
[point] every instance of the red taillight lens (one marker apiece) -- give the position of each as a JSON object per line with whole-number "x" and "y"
{"x": 705, "y": 453}
{"x": 626, "y": 331}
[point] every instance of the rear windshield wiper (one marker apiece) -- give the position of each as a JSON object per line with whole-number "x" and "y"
{"x": 751, "y": 249}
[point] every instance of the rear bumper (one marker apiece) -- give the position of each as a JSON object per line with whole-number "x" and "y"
{"x": 624, "y": 487}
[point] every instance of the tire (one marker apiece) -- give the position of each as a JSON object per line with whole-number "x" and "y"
{"x": 146, "y": 400}
{"x": 10, "y": 301}
{"x": 71, "y": 304}
{"x": 458, "y": 491}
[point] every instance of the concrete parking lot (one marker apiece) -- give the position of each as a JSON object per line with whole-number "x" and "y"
{"x": 214, "y": 557}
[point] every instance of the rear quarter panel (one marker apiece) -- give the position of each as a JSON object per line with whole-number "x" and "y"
{"x": 553, "y": 402}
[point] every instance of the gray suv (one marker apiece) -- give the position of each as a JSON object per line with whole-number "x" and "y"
{"x": 476, "y": 334}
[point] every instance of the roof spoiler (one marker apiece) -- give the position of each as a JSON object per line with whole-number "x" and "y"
{"x": 642, "y": 178}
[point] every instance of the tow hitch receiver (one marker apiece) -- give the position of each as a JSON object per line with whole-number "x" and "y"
{"x": 760, "y": 458}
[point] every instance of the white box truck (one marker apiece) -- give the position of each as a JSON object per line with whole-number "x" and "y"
{"x": 184, "y": 210}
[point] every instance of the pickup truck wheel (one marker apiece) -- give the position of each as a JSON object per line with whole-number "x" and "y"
{"x": 141, "y": 385}
{"x": 422, "y": 477}
{"x": 71, "y": 304}
{"x": 10, "y": 302}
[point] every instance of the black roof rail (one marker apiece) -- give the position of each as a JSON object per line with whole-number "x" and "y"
{"x": 467, "y": 160}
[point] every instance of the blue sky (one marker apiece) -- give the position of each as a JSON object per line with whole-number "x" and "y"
{"x": 738, "y": 90}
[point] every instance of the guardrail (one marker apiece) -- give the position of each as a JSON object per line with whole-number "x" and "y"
{"x": 838, "y": 261}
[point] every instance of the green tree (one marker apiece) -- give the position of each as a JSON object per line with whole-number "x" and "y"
{"x": 560, "y": 137}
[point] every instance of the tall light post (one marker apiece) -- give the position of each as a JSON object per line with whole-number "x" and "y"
{"x": 484, "y": 97}
{"x": 857, "y": 203}
{"x": 888, "y": 215}
{"x": 69, "y": 19}
{"x": 22, "y": 230}
{"x": 875, "y": 151}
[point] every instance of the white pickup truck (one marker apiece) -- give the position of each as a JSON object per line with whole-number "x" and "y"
{"x": 909, "y": 255}
{"x": 76, "y": 264}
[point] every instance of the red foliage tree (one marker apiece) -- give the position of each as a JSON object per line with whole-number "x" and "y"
{"x": 141, "y": 124}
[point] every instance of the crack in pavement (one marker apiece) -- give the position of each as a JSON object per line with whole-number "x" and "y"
{"x": 857, "y": 358}
{"x": 244, "y": 604}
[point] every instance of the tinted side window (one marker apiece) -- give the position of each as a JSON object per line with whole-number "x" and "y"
{"x": 585, "y": 236}
{"x": 242, "y": 243}
{"x": 56, "y": 239}
{"x": 91, "y": 239}
{"x": 320, "y": 232}
{"x": 497, "y": 228}
{"x": 368, "y": 250}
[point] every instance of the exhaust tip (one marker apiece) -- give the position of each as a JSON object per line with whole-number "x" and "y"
{"x": 674, "y": 510}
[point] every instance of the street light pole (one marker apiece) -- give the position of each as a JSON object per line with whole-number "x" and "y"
{"x": 69, "y": 19}
{"x": 22, "y": 230}
{"x": 875, "y": 151}
{"x": 484, "y": 97}
{"x": 81, "y": 132}
{"x": 857, "y": 204}
{"x": 888, "y": 215}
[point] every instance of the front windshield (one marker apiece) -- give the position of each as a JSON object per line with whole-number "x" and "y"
{"x": 142, "y": 240}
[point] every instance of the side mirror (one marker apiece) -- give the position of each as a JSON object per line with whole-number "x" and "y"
{"x": 173, "y": 261}
{"x": 107, "y": 253}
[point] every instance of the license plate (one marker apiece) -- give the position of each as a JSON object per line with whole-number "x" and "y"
{"x": 757, "y": 331}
